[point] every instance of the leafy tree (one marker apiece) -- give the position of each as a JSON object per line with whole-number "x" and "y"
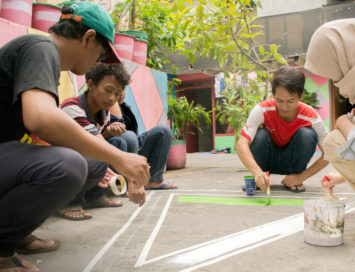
{"x": 225, "y": 31}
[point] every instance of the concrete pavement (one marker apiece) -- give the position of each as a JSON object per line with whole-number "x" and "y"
{"x": 168, "y": 234}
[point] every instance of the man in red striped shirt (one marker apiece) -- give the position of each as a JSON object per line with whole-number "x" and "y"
{"x": 281, "y": 134}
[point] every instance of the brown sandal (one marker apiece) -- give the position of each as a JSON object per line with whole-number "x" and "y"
{"x": 22, "y": 247}
{"x": 103, "y": 203}
{"x": 63, "y": 213}
{"x": 17, "y": 262}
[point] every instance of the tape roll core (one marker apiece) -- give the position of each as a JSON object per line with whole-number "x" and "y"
{"x": 118, "y": 189}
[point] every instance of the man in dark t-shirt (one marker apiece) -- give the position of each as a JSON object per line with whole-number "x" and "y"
{"x": 35, "y": 181}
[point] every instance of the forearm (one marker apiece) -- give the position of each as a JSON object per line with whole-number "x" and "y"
{"x": 247, "y": 157}
{"x": 344, "y": 125}
{"x": 318, "y": 165}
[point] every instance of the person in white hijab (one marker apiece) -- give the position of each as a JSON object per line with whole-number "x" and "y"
{"x": 331, "y": 54}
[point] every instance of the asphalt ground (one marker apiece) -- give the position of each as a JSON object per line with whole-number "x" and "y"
{"x": 198, "y": 228}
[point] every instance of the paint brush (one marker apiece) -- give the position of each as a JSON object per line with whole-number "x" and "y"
{"x": 268, "y": 200}
{"x": 328, "y": 191}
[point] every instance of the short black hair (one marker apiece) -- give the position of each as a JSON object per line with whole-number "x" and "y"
{"x": 290, "y": 78}
{"x": 71, "y": 29}
{"x": 106, "y": 69}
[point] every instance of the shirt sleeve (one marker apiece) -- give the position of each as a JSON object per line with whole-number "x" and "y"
{"x": 255, "y": 119}
{"x": 347, "y": 151}
{"x": 79, "y": 115}
{"x": 30, "y": 75}
{"x": 320, "y": 128}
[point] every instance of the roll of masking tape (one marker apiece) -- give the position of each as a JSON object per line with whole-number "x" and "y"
{"x": 121, "y": 187}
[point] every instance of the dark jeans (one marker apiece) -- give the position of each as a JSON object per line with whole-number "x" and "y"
{"x": 36, "y": 181}
{"x": 290, "y": 159}
{"x": 91, "y": 193}
{"x": 153, "y": 144}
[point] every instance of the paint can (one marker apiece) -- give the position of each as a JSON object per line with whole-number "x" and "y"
{"x": 44, "y": 16}
{"x": 324, "y": 222}
{"x": 249, "y": 185}
{"x": 17, "y": 11}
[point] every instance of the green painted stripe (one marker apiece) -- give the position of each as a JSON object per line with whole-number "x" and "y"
{"x": 241, "y": 201}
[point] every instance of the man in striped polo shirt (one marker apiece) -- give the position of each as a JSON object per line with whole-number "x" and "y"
{"x": 281, "y": 134}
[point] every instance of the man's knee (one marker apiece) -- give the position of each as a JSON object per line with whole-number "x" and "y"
{"x": 71, "y": 169}
{"x": 119, "y": 143}
{"x": 307, "y": 137}
{"x": 261, "y": 139}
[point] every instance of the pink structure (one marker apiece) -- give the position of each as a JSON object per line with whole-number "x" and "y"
{"x": 44, "y": 16}
{"x": 17, "y": 11}
{"x": 124, "y": 45}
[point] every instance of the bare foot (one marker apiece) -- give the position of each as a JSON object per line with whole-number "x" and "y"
{"x": 40, "y": 244}
{"x": 74, "y": 213}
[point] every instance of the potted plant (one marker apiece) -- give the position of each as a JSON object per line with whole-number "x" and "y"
{"x": 181, "y": 114}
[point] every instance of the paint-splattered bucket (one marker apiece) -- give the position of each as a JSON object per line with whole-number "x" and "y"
{"x": 140, "y": 51}
{"x": 44, "y": 16}
{"x": 324, "y": 222}
{"x": 123, "y": 44}
{"x": 17, "y": 11}
{"x": 140, "y": 46}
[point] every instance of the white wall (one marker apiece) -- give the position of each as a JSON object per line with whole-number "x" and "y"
{"x": 276, "y": 7}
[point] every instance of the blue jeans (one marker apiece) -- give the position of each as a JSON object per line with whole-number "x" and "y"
{"x": 153, "y": 144}
{"x": 289, "y": 159}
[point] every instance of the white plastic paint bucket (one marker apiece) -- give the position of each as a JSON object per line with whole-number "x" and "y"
{"x": 44, "y": 16}
{"x": 324, "y": 222}
{"x": 17, "y": 11}
{"x": 123, "y": 45}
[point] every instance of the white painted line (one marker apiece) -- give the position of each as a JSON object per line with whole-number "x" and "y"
{"x": 148, "y": 244}
{"x": 252, "y": 246}
{"x": 107, "y": 246}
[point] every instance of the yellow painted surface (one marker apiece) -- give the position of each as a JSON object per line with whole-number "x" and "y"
{"x": 66, "y": 88}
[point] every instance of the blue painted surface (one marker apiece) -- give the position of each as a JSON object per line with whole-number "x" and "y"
{"x": 130, "y": 101}
{"x": 161, "y": 81}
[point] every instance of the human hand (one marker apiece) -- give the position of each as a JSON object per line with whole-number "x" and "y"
{"x": 133, "y": 167}
{"x": 330, "y": 180}
{"x": 105, "y": 182}
{"x": 293, "y": 180}
{"x": 262, "y": 180}
{"x": 136, "y": 194}
{"x": 116, "y": 129}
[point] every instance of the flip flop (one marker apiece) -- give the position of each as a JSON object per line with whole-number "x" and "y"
{"x": 104, "y": 203}
{"x": 62, "y": 213}
{"x": 15, "y": 261}
{"x": 22, "y": 247}
{"x": 295, "y": 191}
{"x": 164, "y": 186}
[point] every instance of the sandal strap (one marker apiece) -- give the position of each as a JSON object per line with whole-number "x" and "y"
{"x": 15, "y": 261}
{"x": 71, "y": 209}
{"x": 28, "y": 240}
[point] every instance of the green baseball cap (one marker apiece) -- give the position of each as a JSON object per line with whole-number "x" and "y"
{"x": 94, "y": 16}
